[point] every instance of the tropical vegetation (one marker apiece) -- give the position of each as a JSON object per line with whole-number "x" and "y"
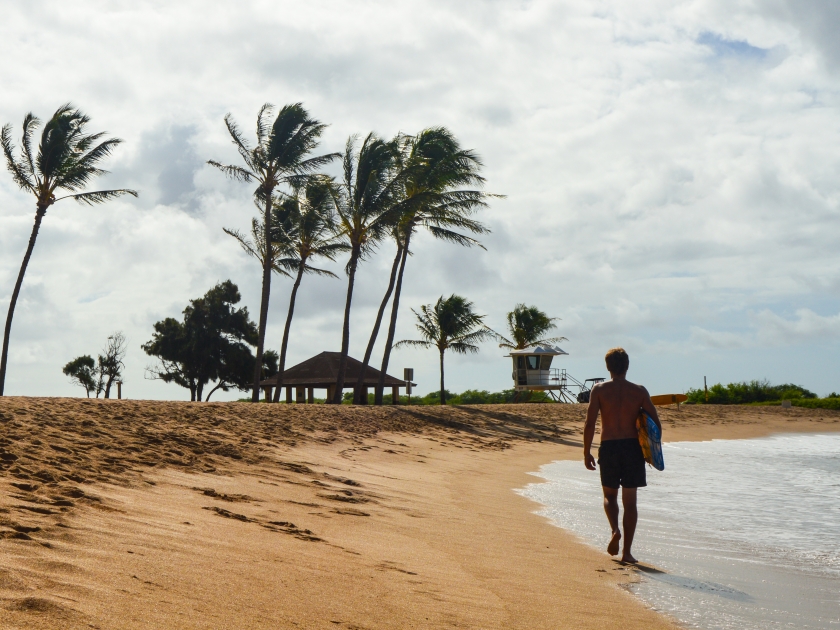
{"x": 281, "y": 156}
{"x": 748, "y": 392}
{"x": 527, "y": 326}
{"x": 386, "y": 190}
{"x": 211, "y": 343}
{"x": 100, "y": 375}
{"x": 450, "y": 324}
{"x": 65, "y": 161}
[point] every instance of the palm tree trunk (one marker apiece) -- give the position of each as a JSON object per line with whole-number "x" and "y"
{"x": 442, "y": 388}
{"x": 360, "y": 383}
{"x": 266, "y": 292}
{"x": 345, "y": 334}
{"x": 392, "y": 327}
{"x": 282, "y": 363}
{"x": 199, "y": 388}
{"x": 39, "y": 215}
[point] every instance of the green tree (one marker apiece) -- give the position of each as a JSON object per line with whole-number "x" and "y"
{"x": 82, "y": 371}
{"x": 210, "y": 344}
{"x": 451, "y": 324}
{"x": 434, "y": 171}
{"x": 280, "y": 157}
{"x": 67, "y": 159}
{"x": 364, "y": 207}
{"x": 527, "y": 326}
{"x": 306, "y": 219}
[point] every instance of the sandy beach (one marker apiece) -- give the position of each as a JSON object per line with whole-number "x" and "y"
{"x": 140, "y": 514}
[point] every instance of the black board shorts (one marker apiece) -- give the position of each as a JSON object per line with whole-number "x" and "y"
{"x": 622, "y": 463}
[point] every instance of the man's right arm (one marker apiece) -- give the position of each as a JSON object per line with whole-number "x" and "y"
{"x": 589, "y": 427}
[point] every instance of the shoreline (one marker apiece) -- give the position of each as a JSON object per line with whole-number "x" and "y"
{"x": 131, "y": 515}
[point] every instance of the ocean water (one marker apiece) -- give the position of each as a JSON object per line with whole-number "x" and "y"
{"x": 743, "y": 533}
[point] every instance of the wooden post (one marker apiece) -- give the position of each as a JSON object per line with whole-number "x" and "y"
{"x": 364, "y": 397}
{"x": 267, "y": 391}
{"x": 311, "y": 396}
{"x": 330, "y": 392}
{"x": 395, "y": 395}
{"x": 119, "y": 390}
{"x": 288, "y": 395}
{"x": 705, "y": 387}
{"x": 300, "y": 395}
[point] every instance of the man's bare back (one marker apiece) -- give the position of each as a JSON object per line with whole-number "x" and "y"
{"x": 618, "y": 402}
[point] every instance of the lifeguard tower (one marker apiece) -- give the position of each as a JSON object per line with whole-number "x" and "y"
{"x": 532, "y": 371}
{"x": 532, "y": 368}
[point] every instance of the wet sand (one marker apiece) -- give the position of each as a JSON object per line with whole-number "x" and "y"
{"x": 139, "y": 514}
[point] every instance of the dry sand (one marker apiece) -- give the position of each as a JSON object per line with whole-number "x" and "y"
{"x": 131, "y": 514}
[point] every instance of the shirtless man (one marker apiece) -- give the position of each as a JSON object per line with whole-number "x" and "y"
{"x": 620, "y": 455}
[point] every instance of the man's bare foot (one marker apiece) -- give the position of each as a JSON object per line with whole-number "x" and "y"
{"x": 612, "y": 548}
{"x": 626, "y": 557}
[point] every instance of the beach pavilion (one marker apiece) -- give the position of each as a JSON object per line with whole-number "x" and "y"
{"x": 321, "y": 372}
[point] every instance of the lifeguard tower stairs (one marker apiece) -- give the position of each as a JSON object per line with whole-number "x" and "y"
{"x": 532, "y": 371}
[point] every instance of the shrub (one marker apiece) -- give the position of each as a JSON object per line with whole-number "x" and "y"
{"x": 746, "y": 393}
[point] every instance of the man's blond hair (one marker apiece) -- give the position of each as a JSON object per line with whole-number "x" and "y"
{"x": 617, "y": 361}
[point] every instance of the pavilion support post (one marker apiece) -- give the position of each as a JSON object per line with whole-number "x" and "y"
{"x": 288, "y": 395}
{"x": 330, "y": 392}
{"x": 364, "y": 397}
{"x": 395, "y": 395}
{"x": 300, "y": 395}
{"x": 267, "y": 392}
{"x": 310, "y": 398}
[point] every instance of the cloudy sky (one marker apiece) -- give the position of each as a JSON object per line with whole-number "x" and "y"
{"x": 670, "y": 171}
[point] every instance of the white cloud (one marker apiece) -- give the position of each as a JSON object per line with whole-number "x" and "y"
{"x": 670, "y": 168}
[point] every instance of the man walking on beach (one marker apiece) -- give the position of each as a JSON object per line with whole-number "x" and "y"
{"x": 620, "y": 454}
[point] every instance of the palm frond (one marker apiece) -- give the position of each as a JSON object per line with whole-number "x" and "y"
{"x": 234, "y": 172}
{"x": 263, "y": 127}
{"x": 453, "y": 237}
{"x": 99, "y": 196}
{"x": 414, "y": 342}
{"x": 30, "y": 123}
{"x": 460, "y": 347}
{"x": 24, "y": 180}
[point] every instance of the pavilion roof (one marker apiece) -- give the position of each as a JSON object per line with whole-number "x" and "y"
{"x": 322, "y": 370}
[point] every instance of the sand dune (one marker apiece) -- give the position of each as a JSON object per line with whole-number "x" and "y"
{"x": 141, "y": 514}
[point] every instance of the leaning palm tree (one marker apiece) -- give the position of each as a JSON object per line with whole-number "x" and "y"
{"x": 435, "y": 169}
{"x": 451, "y": 324}
{"x": 364, "y": 207}
{"x": 66, "y": 160}
{"x": 279, "y": 158}
{"x": 526, "y": 326}
{"x": 306, "y": 219}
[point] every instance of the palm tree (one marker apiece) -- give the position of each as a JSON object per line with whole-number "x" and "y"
{"x": 451, "y": 324}
{"x": 67, "y": 159}
{"x": 306, "y": 219}
{"x": 364, "y": 206}
{"x": 527, "y": 325}
{"x": 279, "y": 157}
{"x": 435, "y": 170}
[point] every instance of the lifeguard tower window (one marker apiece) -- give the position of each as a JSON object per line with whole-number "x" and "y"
{"x": 533, "y": 362}
{"x": 545, "y": 362}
